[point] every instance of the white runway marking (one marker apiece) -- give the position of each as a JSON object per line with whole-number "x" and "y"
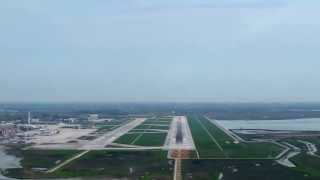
{"x": 187, "y": 142}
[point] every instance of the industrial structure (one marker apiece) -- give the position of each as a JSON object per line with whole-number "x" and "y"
{"x": 7, "y": 130}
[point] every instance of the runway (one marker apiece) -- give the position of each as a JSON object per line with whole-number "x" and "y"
{"x": 179, "y": 135}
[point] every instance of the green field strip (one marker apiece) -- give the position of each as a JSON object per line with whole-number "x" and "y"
{"x": 243, "y": 149}
{"x": 116, "y": 165}
{"x": 146, "y": 131}
{"x": 157, "y": 122}
{"x": 160, "y": 127}
{"x": 131, "y": 138}
{"x": 142, "y": 127}
{"x": 307, "y": 164}
{"x": 206, "y": 147}
{"x": 137, "y": 138}
{"x": 126, "y": 139}
{"x": 211, "y": 136}
{"x": 261, "y": 150}
{"x": 147, "y": 139}
{"x": 219, "y": 134}
{"x": 151, "y": 139}
{"x": 140, "y": 136}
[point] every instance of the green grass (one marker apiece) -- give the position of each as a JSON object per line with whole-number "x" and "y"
{"x": 160, "y": 127}
{"x": 307, "y": 164}
{"x": 98, "y": 165}
{"x": 157, "y": 122}
{"x": 252, "y": 150}
{"x": 146, "y": 127}
{"x": 149, "y": 139}
{"x": 207, "y": 148}
{"x": 246, "y": 170}
{"x": 127, "y": 138}
{"x": 204, "y": 144}
{"x": 143, "y": 131}
{"x": 117, "y": 164}
{"x": 144, "y": 139}
{"x": 39, "y": 159}
{"x": 295, "y": 141}
{"x": 45, "y": 158}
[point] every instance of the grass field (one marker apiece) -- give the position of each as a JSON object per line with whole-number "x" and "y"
{"x": 96, "y": 165}
{"x": 138, "y": 135}
{"x": 39, "y": 159}
{"x": 160, "y": 127}
{"x": 142, "y": 126}
{"x": 240, "y": 170}
{"x": 206, "y": 147}
{"x": 141, "y": 131}
{"x": 295, "y": 141}
{"x": 310, "y": 165}
{"x": 120, "y": 164}
{"x": 154, "y": 139}
{"x": 127, "y": 138}
{"x": 143, "y": 139}
{"x": 157, "y": 122}
{"x": 307, "y": 164}
{"x": 212, "y": 142}
{"x": 153, "y": 126}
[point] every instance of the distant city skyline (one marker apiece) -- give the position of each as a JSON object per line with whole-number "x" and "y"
{"x": 159, "y": 51}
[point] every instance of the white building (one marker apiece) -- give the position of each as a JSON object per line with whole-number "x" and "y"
{"x": 93, "y": 117}
{"x": 70, "y": 120}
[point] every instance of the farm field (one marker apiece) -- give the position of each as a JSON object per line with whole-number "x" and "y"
{"x": 212, "y": 142}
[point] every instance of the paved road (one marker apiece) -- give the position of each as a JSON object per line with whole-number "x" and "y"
{"x": 177, "y": 167}
{"x": 187, "y": 142}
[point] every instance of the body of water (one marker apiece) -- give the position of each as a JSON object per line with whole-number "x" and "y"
{"x": 307, "y": 124}
{"x": 7, "y": 161}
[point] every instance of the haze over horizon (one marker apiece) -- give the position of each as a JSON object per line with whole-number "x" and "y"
{"x": 158, "y": 51}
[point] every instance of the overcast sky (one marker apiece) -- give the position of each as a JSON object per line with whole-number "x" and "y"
{"x": 160, "y": 50}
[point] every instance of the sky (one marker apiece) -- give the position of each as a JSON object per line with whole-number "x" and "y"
{"x": 159, "y": 51}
